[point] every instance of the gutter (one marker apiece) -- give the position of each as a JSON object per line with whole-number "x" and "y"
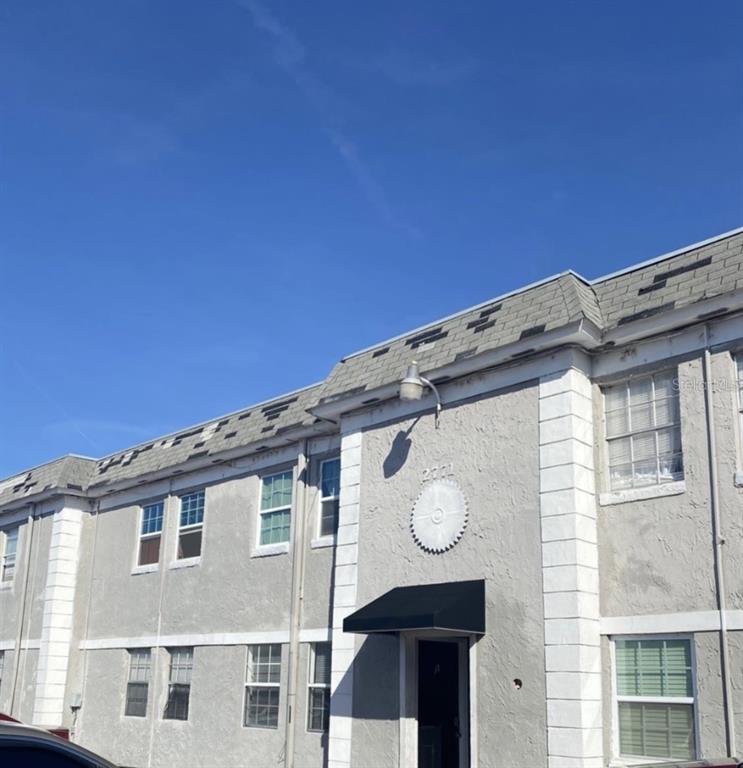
{"x": 718, "y": 541}
{"x": 297, "y": 598}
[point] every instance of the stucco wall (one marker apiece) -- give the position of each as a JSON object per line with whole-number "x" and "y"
{"x": 655, "y": 555}
{"x": 491, "y": 445}
{"x": 214, "y": 733}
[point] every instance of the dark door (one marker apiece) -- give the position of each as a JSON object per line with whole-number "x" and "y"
{"x": 438, "y": 705}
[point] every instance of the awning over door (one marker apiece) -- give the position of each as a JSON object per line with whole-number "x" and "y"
{"x": 457, "y": 606}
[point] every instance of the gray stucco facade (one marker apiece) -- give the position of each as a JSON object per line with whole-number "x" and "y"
{"x": 582, "y": 555}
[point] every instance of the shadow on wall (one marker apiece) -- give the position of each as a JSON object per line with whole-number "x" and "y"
{"x": 398, "y": 453}
{"x": 375, "y": 674}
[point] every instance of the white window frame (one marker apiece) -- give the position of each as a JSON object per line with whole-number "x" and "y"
{"x": 738, "y": 363}
{"x": 131, "y": 652}
{"x": 6, "y": 583}
{"x": 281, "y": 546}
{"x": 312, "y": 685}
{"x": 172, "y": 651}
{"x": 327, "y": 537}
{"x": 251, "y": 684}
{"x": 137, "y": 568}
{"x": 617, "y": 758}
{"x": 650, "y": 489}
{"x": 183, "y": 562}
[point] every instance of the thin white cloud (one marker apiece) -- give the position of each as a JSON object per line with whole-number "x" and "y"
{"x": 290, "y": 55}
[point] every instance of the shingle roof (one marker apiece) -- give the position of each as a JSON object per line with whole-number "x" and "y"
{"x": 701, "y": 271}
{"x": 70, "y": 473}
{"x": 544, "y": 307}
{"x": 671, "y": 283}
{"x": 248, "y": 426}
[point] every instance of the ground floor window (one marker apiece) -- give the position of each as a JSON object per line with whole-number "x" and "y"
{"x": 655, "y": 698}
{"x": 139, "y": 680}
{"x": 263, "y": 686}
{"x": 179, "y": 687}
{"x": 318, "y": 704}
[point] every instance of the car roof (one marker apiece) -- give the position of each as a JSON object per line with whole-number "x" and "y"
{"x": 29, "y": 734}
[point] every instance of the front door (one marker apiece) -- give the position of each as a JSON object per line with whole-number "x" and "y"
{"x": 439, "y": 727}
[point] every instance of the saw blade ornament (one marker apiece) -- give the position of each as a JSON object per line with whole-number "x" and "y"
{"x": 439, "y": 516}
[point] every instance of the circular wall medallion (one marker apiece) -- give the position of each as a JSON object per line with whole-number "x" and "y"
{"x": 439, "y": 516}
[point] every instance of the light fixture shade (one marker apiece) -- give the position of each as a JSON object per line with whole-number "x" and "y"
{"x": 411, "y": 387}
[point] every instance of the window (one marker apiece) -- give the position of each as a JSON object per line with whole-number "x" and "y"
{"x": 2, "y": 667}
{"x": 330, "y": 488}
{"x": 276, "y": 508}
{"x": 139, "y": 680}
{"x": 643, "y": 432}
{"x": 9, "y": 554}
{"x": 191, "y": 525}
{"x": 150, "y": 534}
{"x": 739, "y": 366}
{"x": 318, "y": 704}
{"x": 179, "y": 688}
{"x": 655, "y": 698}
{"x": 263, "y": 686}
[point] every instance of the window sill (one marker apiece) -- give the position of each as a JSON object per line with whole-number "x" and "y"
{"x": 322, "y": 542}
{"x": 187, "y": 562}
{"x": 149, "y": 568}
{"x": 6, "y": 585}
{"x": 640, "y": 494}
{"x": 269, "y": 550}
{"x": 628, "y": 762}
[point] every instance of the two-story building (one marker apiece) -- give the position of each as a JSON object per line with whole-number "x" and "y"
{"x": 523, "y": 549}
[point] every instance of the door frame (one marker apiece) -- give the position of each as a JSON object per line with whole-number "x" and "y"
{"x": 408, "y": 643}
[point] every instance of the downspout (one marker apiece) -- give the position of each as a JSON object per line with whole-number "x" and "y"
{"x": 298, "y": 557}
{"x": 718, "y": 542}
{"x": 77, "y": 724}
{"x": 22, "y": 616}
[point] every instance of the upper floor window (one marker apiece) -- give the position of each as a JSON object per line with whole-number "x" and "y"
{"x": 139, "y": 682}
{"x": 10, "y": 547}
{"x": 276, "y": 508}
{"x": 179, "y": 684}
{"x": 643, "y": 432}
{"x": 739, "y": 367}
{"x": 263, "y": 686}
{"x": 150, "y": 534}
{"x": 191, "y": 525}
{"x": 330, "y": 489}
{"x": 318, "y": 704}
{"x": 655, "y": 698}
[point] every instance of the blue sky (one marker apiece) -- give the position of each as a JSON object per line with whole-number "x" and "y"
{"x": 206, "y": 204}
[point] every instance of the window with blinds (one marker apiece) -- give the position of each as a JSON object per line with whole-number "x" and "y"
{"x": 318, "y": 704}
{"x": 655, "y": 698}
{"x": 643, "y": 432}
{"x": 10, "y": 549}
{"x": 138, "y": 685}
{"x": 330, "y": 494}
{"x": 150, "y": 533}
{"x": 276, "y": 508}
{"x": 191, "y": 525}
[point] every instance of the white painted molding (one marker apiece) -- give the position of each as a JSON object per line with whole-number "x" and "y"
{"x": 26, "y": 645}
{"x": 322, "y": 542}
{"x": 56, "y": 631}
{"x": 570, "y": 568}
{"x": 319, "y": 635}
{"x": 639, "y": 494}
{"x": 344, "y": 602}
{"x": 670, "y": 623}
{"x": 269, "y": 550}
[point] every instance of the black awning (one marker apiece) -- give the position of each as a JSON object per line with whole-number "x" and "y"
{"x": 458, "y": 606}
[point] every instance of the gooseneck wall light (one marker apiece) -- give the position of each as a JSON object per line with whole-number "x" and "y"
{"x": 413, "y": 385}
